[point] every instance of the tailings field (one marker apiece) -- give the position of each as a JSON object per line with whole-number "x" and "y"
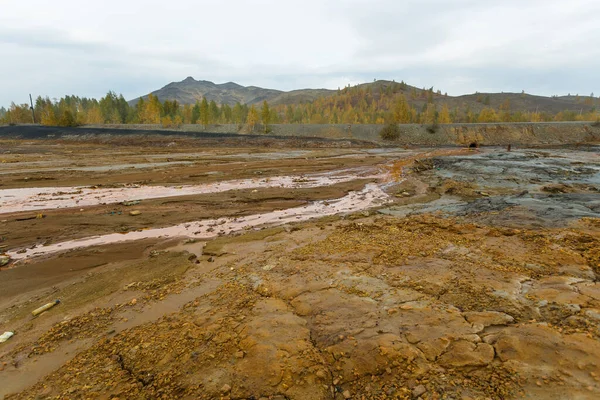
{"x": 284, "y": 268}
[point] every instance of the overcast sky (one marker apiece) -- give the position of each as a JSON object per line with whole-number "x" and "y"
{"x": 459, "y": 46}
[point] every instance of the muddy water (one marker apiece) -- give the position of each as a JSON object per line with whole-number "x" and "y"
{"x": 372, "y": 195}
{"x": 30, "y": 199}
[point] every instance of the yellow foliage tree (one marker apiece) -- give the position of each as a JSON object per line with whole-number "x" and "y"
{"x": 401, "y": 110}
{"x": 429, "y": 117}
{"x": 487, "y": 115}
{"x": 252, "y": 118}
{"x": 94, "y": 116}
{"x": 444, "y": 117}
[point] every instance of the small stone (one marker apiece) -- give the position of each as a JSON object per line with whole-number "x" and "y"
{"x": 321, "y": 374}
{"x": 133, "y": 302}
{"x": 211, "y": 259}
{"x": 418, "y": 391}
{"x": 134, "y": 213}
{"x": 226, "y": 388}
{"x": 239, "y": 354}
{"x": 346, "y": 394}
{"x": 4, "y": 260}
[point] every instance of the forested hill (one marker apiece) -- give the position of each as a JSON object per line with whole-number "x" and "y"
{"x": 378, "y": 102}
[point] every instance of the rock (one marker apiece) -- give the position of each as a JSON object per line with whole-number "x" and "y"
{"x": 487, "y": 318}
{"x": 239, "y": 354}
{"x": 130, "y": 203}
{"x": 590, "y": 289}
{"x": 5, "y": 336}
{"x": 418, "y": 391}
{"x": 593, "y": 313}
{"x": 4, "y": 260}
{"x": 432, "y": 349}
{"x": 134, "y": 213}
{"x": 225, "y": 389}
{"x": 346, "y": 394}
{"x": 463, "y": 353}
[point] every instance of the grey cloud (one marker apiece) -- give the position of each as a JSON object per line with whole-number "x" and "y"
{"x": 542, "y": 46}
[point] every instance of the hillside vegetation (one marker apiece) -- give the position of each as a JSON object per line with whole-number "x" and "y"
{"x": 379, "y": 102}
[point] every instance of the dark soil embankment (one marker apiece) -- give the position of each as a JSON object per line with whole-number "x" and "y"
{"x": 137, "y": 133}
{"x": 340, "y": 135}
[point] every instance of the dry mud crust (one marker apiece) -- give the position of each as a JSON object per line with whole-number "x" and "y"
{"x": 524, "y": 168}
{"x": 368, "y": 308}
{"x": 525, "y": 187}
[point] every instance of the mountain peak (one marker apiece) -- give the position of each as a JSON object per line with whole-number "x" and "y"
{"x": 189, "y": 79}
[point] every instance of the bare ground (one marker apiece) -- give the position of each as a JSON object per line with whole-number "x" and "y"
{"x": 497, "y": 301}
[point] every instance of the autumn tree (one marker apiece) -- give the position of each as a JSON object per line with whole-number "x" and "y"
{"x": 170, "y": 108}
{"x": 444, "y": 115}
{"x": 430, "y": 115}
{"x": 401, "y": 110}
{"x": 488, "y": 114}
{"x": 213, "y": 112}
{"x": 226, "y": 113}
{"x": 152, "y": 111}
{"x": 109, "y": 108}
{"x": 186, "y": 114}
{"x": 204, "y": 112}
{"x": 140, "y": 110}
{"x": 67, "y": 118}
{"x": 265, "y": 115}
{"x": 93, "y": 115}
{"x": 239, "y": 113}
{"x": 505, "y": 111}
{"x": 18, "y": 114}
{"x": 252, "y": 118}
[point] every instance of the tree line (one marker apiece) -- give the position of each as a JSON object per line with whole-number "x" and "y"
{"x": 114, "y": 109}
{"x": 396, "y": 103}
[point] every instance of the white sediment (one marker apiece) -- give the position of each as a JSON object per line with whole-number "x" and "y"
{"x": 38, "y": 199}
{"x": 372, "y": 195}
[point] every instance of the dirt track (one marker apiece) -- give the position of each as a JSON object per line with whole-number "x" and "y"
{"x": 496, "y": 297}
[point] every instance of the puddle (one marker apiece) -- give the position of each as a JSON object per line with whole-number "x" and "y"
{"x": 372, "y": 195}
{"x": 34, "y": 199}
